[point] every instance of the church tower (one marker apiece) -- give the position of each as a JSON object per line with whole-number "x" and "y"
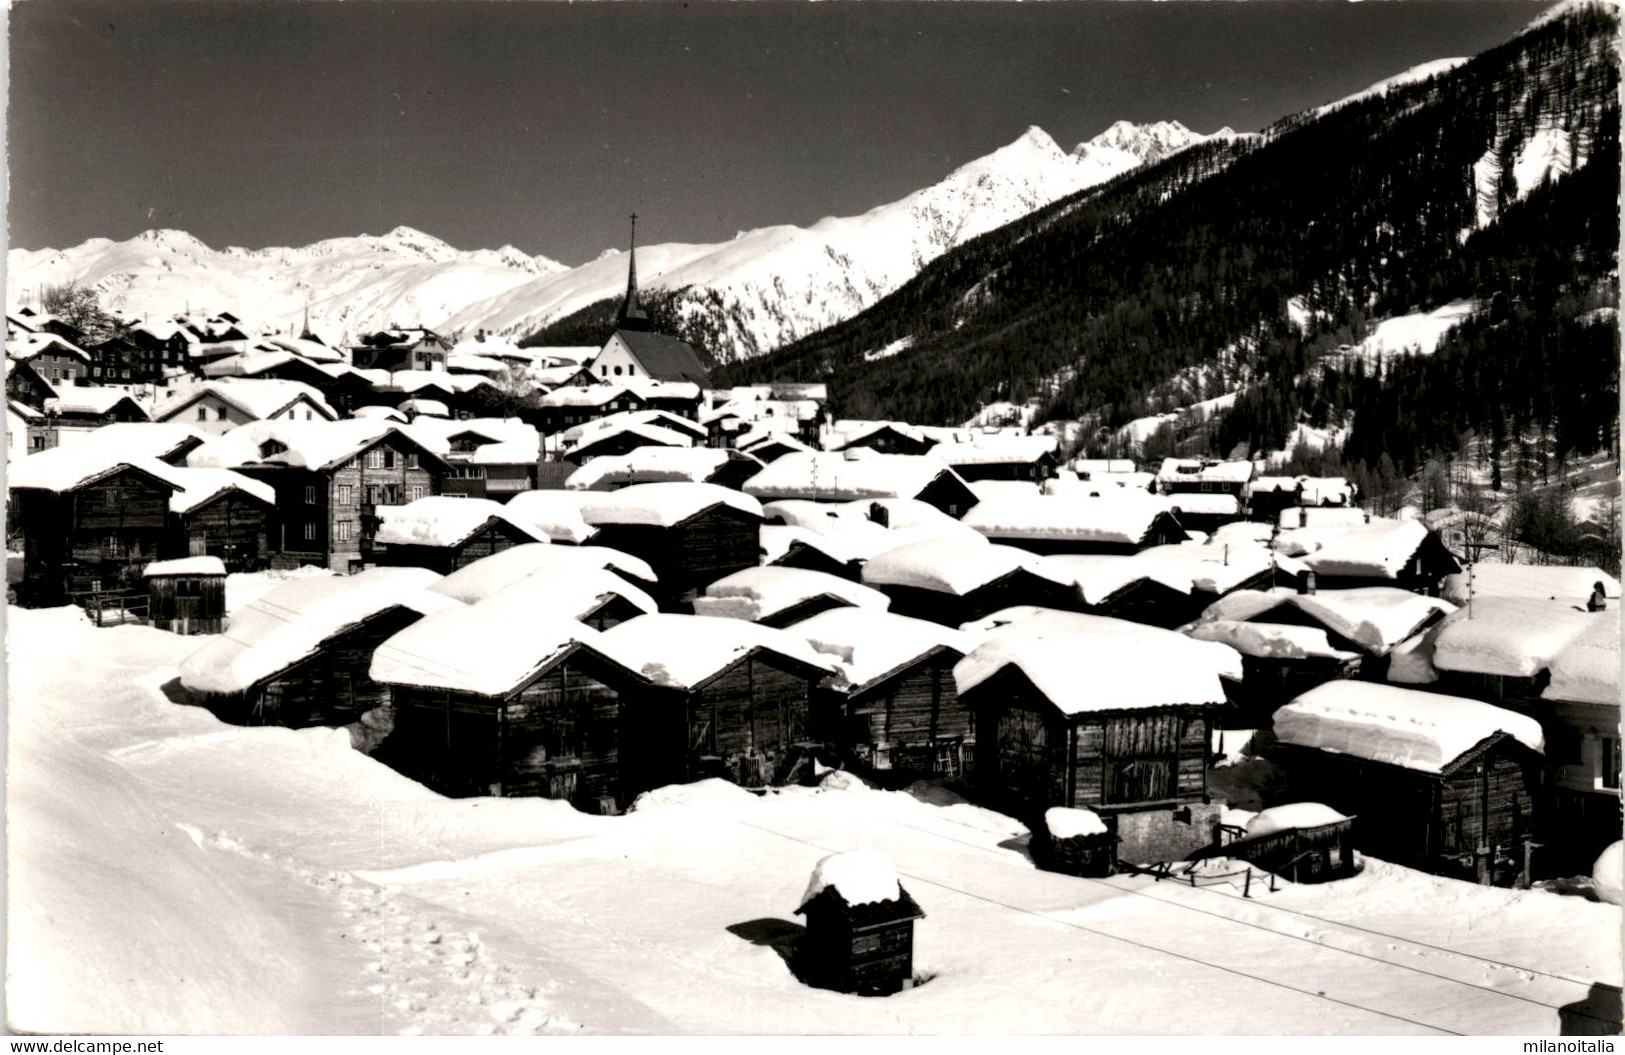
{"x": 631, "y": 315}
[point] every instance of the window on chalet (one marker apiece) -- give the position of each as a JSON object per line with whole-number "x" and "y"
{"x": 272, "y": 447}
{"x": 346, "y": 494}
{"x": 411, "y": 461}
{"x": 110, "y": 498}
{"x": 375, "y": 459}
{"x": 310, "y": 494}
{"x": 310, "y": 531}
{"x": 203, "y": 413}
{"x": 220, "y": 413}
{"x": 1610, "y": 762}
{"x": 416, "y": 492}
{"x": 344, "y": 531}
{"x": 1207, "y": 485}
{"x": 389, "y": 459}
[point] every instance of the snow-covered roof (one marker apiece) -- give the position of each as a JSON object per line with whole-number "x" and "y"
{"x": 996, "y": 450}
{"x": 860, "y": 877}
{"x": 289, "y": 624}
{"x": 136, "y": 439}
{"x": 1377, "y": 618}
{"x": 185, "y": 566}
{"x": 1321, "y": 517}
{"x": 844, "y": 476}
{"x": 578, "y": 435}
{"x": 476, "y": 364}
{"x": 1004, "y": 490}
{"x": 1292, "y": 815}
{"x": 648, "y": 388}
{"x": 1418, "y": 730}
{"x": 258, "y": 398}
{"x": 760, "y": 593}
{"x": 310, "y": 444}
{"x": 1270, "y": 640}
{"x": 1037, "y": 621}
{"x": 68, "y": 468}
{"x": 92, "y": 400}
{"x": 315, "y": 351}
{"x": 487, "y": 575}
{"x": 663, "y": 504}
{"x": 378, "y": 413}
{"x": 646, "y": 433}
{"x": 685, "y": 651}
{"x": 956, "y": 566}
{"x": 867, "y": 429}
{"x": 440, "y": 520}
{"x": 1099, "y": 576}
{"x": 1510, "y": 636}
{"x": 29, "y": 345}
{"x": 413, "y": 381}
{"x": 868, "y": 644}
{"x": 552, "y": 513}
{"x": 198, "y": 487}
{"x": 509, "y": 452}
{"x": 583, "y": 395}
{"x": 1181, "y": 470}
{"x": 1081, "y": 673}
{"x": 570, "y": 592}
{"x": 1063, "y": 822}
{"x": 426, "y": 408}
{"x": 1123, "y": 518}
{"x": 477, "y": 649}
{"x": 1586, "y": 670}
{"x": 1532, "y": 581}
{"x": 777, "y": 539}
{"x": 648, "y": 465}
{"x": 763, "y": 437}
{"x": 1212, "y": 503}
{"x": 1379, "y": 549}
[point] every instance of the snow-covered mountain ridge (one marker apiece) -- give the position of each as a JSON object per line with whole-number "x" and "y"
{"x": 761, "y": 289}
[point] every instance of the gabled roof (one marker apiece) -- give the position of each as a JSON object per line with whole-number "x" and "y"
{"x": 69, "y": 468}
{"x": 258, "y": 399}
{"x": 643, "y": 465}
{"x": 93, "y": 400}
{"x": 1083, "y": 673}
{"x": 845, "y": 476}
{"x": 688, "y": 651}
{"x": 28, "y": 345}
{"x": 759, "y": 593}
{"x": 957, "y": 567}
{"x": 870, "y": 645}
{"x": 442, "y": 520}
{"x": 1120, "y": 519}
{"x": 487, "y": 575}
{"x": 664, "y": 504}
{"x": 316, "y": 445}
{"x": 665, "y": 358}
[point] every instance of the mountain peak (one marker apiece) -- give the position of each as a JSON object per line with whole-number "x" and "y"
{"x": 1149, "y": 142}
{"x": 169, "y": 238}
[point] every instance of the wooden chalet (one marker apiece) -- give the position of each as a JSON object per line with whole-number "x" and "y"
{"x": 1166, "y": 586}
{"x": 1500, "y": 649}
{"x": 25, "y": 385}
{"x": 299, "y": 655}
{"x": 1124, "y": 523}
{"x": 1115, "y": 721}
{"x": 92, "y": 408}
{"x": 1204, "y": 476}
{"x": 330, "y": 478}
{"x": 785, "y": 546}
{"x": 891, "y": 709}
{"x": 678, "y": 398}
{"x": 187, "y": 596}
{"x": 1440, "y": 783}
{"x": 444, "y": 533}
{"x": 860, "y": 926}
{"x": 887, "y": 437}
{"x": 1267, "y": 496}
{"x": 119, "y": 360}
{"x": 91, "y": 522}
{"x": 56, "y": 360}
{"x": 691, "y": 534}
{"x": 621, "y": 439}
{"x": 954, "y": 581}
{"x": 163, "y": 347}
{"x": 567, "y": 406}
{"x": 490, "y": 702}
{"x": 1402, "y": 553}
{"x": 216, "y": 407}
{"x": 727, "y": 699}
{"x": 860, "y": 474}
{"x": 1029, "y": 458}
{"x": 779, "y": 597}
{"x": 414, "y": 348}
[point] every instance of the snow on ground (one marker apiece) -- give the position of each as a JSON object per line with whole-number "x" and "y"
{"x": 1412, "y": 334}
{"x": 193, "y": 861}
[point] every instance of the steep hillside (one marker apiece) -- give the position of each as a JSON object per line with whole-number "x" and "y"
{"x": 1244, "y": 254}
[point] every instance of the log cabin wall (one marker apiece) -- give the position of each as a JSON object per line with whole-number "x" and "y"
{"x": 915, "y": 717}
{"x": 187, "y": 604}
{"x": 744, "y": 722}
{"x": 98, "y": 538}
{"x": 331, "y": 688}
{"x": 234, "y": 527}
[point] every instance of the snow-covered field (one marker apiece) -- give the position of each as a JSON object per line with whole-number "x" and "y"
{"x": 171, "y": 874}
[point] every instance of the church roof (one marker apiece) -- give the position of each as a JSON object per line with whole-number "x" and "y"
{"x": 665, "y": 358}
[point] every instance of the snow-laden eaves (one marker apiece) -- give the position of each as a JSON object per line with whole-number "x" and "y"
{"x": 1083, "y": 673}
{"x": 869, "y": 644}
{"x": 486, "y": 651}
{"x": 553, "y": 514}
{"x": 1586, "y": 670}
{"x": 760, "y": 593}
{"x": 956, "y": 566}
{"x": 664, "y": 504}
{"x": 571, "y": 593}
{"x": 1425, "y": 731}
{"x": 1512, "y": 637}
{"x": 686, "y": 651}
{"x": 487, "y": 575}
{"x": 441, "y": 520}
{"x": 1123, "y": 518}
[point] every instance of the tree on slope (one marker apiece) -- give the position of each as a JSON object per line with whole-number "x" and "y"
{"x": 80, "y": 307}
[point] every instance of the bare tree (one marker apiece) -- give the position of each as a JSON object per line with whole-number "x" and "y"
{"x": 80, "y": 307}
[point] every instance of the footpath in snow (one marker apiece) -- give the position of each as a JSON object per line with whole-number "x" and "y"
{"x": 163, "y": 865}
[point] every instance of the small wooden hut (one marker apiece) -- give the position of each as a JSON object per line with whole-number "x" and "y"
{"x": 954, "y": 581}
{"x": 1444, "y": 784}
{"x": 491, "y": 703}
{"x": 187, "y": 596}
{"x": 860, "y": 926}
{"x": 1306, "y": 842}
{"x": 1076, "y": 842}
{"x": 726, "y": 698}
{"x": 891, "y": 709}
{"x": 781, "y": 597}
{"x": 298, "y": 656}
{"x": 691, "y": 534}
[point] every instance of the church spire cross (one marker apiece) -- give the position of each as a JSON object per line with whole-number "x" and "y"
{"x": 631, "y": 315}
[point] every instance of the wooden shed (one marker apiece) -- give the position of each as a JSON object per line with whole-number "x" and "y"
{"x": 781, "y": 597}
{"x": 954, "y": 581}
{"x": 1115, "y": 722}
{"x": 1441, "y": 783}
{"x": 891, "y": 709}
{"x": 187, "y": 596}
{"x": 1402, "y": 553}
{"x": 445, "y": 533}
{"x": 1075, "y": 842}
{"x": 691, "y": 534}
{"x": 1306, "y": 842}
{"x": 727, "y": 698}
{"x": 299, "y": 655}
{"x": 784, "y": 546}
{"x": 488, "y": 703}
{"x": 860, "y": 926}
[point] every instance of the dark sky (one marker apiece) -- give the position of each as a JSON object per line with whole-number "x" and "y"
{"x": 543, "y": 124}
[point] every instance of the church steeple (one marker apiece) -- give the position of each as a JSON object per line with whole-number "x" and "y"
{"x": 631, "y": 316}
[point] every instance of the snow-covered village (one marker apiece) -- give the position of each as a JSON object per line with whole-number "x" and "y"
{"x": 1165, "y": 587}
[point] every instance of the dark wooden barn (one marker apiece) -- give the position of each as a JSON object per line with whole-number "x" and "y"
{"x": 728, "y": 699}
{"x": 299, "y": 655}
{"x": 445, "y": 533}
{"x": 892, "y": 710}
{"x": 1441, "y": 783}
{"x": 888, "y": 437}
{"x": 1402, "y": 553}
{"x": 1113, "y": 722}
{"x": 860, "y": 926}
{"x": 690, "y": 534}
{"x": 956, "y": 581}
{"x": 187, "y": 596}
{"x": 794, "y": 547}
{"x": 487, "y": 703}
{"x": 781, "y": 597}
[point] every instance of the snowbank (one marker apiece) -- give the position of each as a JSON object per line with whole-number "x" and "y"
{"x": 755, "y": 594}
{"x": 1292, "y": 815}
{"x": 861, "y": 877}
{"x": 1608, "y": 874}
{"x": 1402, "y": 727}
